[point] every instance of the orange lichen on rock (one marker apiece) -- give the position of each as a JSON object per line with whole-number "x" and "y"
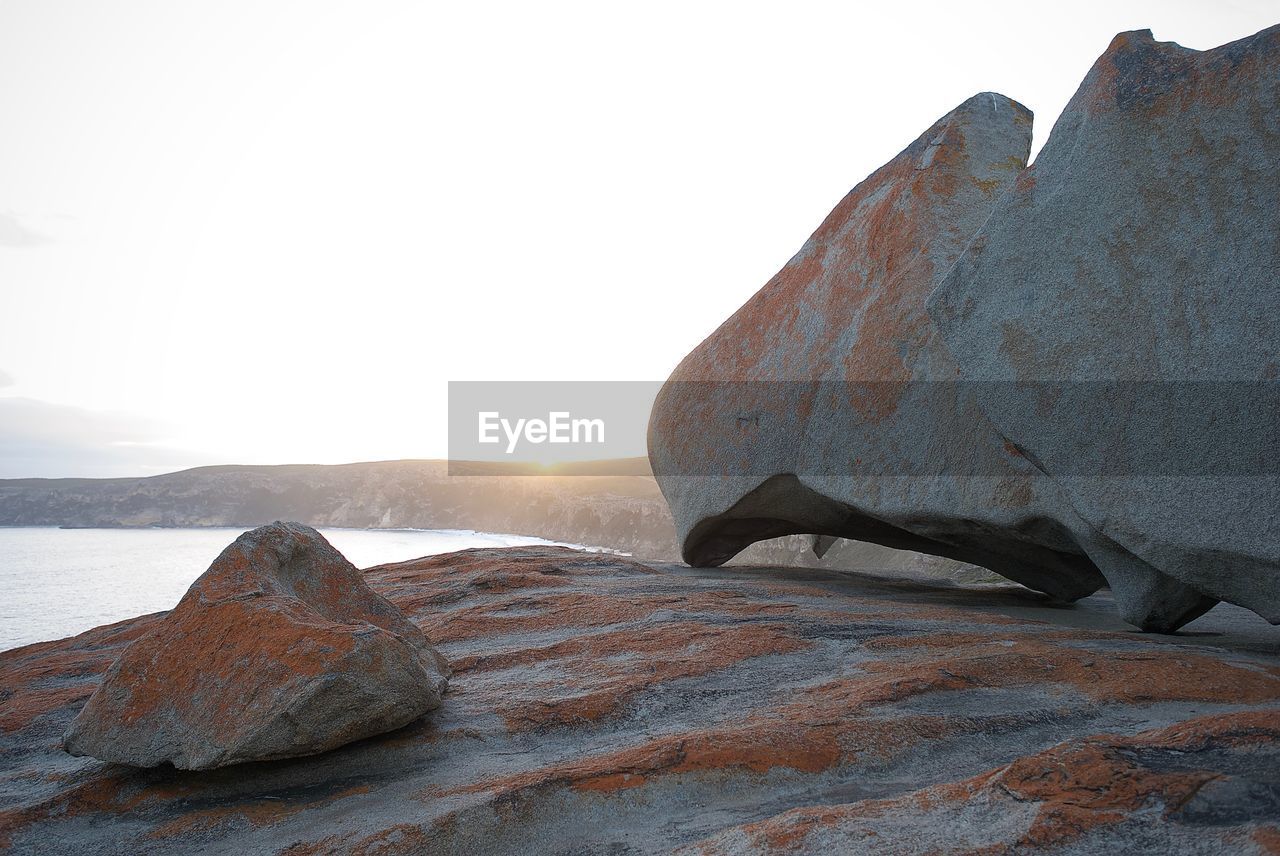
{"x": 1099, "y": 782}
{"x": 599, "y": 672}
{"x": 1103, "y": 675}
{"x": 1239, "y": 730}
{"x": 1074, "y": 789}
{"x": 815, "y": 733}
{"x": 1080, "y": 787}
{"x": 39, "y": 679}
{"x": 530, "y": 613}
{"x": 33, "y": 703}
{"x": 263, "y": 812}
{"x": 1267, "y": 838}
{"x": 451, "y": 576}
{"x": 755, "y": 747}
{"x": 110, "y": 793}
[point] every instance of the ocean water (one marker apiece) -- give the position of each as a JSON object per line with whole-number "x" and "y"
{"x": 59, "y": 582}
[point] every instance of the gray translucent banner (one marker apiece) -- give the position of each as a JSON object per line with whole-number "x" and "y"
{"x": 549, "y": 427}
{"x": 1113, "y": 429}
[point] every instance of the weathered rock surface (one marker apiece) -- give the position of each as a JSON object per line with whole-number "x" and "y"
{"x": 603, "y": 706}
{"x": 1081, "y": 796}
{"x": 1121, "y": 309}
{"x": 280, "y": 649}
{"x": 828, "y": 405}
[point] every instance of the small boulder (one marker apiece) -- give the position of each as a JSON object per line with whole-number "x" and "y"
{"x": 280, "y": 649}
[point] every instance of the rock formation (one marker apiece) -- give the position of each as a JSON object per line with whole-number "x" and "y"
{"x": 280, "y": 649}
{"x": 1064, "y": 378}
{"x": 1120, "y": 310}
{"x": 828, "y": 405}
{"x": 602, "y": 706}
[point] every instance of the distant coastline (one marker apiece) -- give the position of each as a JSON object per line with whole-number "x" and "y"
{"x": 576, "y": 504}
{"x": 612, "y": 504}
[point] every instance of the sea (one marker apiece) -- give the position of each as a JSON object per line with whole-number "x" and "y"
{"x": 60, "y": 582}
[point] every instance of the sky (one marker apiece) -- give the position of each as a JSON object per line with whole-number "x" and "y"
{"x": 272, "y": 232}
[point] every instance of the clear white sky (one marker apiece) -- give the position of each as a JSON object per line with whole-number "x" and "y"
{"x": 269, "y": 232}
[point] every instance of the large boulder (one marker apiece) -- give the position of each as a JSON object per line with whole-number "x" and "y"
{"x": 828, "y": 405}
{"x": 1121, "y": 310}
{"x": 280, "y": 649}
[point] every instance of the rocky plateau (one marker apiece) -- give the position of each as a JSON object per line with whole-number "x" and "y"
{"x": 602, "y": 705}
